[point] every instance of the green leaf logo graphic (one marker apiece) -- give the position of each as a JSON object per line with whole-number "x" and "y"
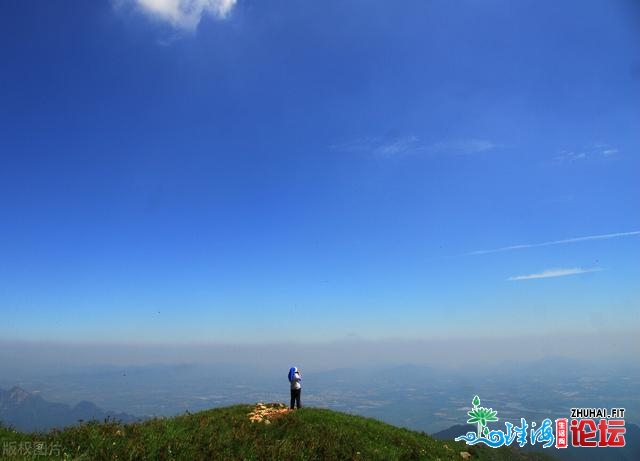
{"x": 481, "y": 416}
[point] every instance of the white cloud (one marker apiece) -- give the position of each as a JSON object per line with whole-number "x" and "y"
{"x": 390, "y": 146}
{"x": 604, "y": 149}
{"x": 185, "y": 14}
{"x": 570, "y": 156}
{"x": 463, "y": 146}
{"x": 397, "y": 146}
{"x": 585, "y": 152}
{"x": 387, "y": 146}
{"x": 556, "y": 242}
{"x": 550, "y": 273}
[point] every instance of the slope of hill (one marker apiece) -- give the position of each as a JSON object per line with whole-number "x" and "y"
{"x": 454, "y": 431}
{"x": 237, "y": 433}
{"x": 29, "y": 412}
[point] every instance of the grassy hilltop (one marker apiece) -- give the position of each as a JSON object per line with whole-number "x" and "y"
{"x": 230, "y": 434}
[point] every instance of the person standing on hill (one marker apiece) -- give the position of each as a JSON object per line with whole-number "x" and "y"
{"x": 296, "y": 388}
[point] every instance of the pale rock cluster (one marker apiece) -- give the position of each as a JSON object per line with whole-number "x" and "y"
{"x": 265, "y": 413}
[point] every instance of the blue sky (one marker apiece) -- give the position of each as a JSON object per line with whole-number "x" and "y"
{"x": 316, "y": 171}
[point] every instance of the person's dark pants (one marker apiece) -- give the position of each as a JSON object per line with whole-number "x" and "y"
{"x": 295, "y": 397}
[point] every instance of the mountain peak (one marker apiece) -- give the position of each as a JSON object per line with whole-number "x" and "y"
{"x": 18, "y": 395}
{"x": 28, "y": 411}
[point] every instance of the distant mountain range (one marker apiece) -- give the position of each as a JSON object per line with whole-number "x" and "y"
{"x": 28, "y": 412}
{"x": 630, "y": 452}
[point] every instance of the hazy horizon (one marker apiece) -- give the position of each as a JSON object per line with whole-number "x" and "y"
{"x": 31, "y": 357}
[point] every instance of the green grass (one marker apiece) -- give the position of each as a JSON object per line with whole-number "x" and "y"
{"x": 227, "y": 434}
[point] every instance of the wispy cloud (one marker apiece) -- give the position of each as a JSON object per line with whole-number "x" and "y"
{"x": 569, "y": 156}
{"x": 586, "y": 152}
{"x": 398, "y": 146}
{"x": 550, "y": 273}
{"x": 556, "y": 242}
{"x": 390, "y": 146}
{"x": 183, "y": 14}
{"x": 463, "y": 146}
{"x": 603, "y": 149}
{"x": 381, "y": 146}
